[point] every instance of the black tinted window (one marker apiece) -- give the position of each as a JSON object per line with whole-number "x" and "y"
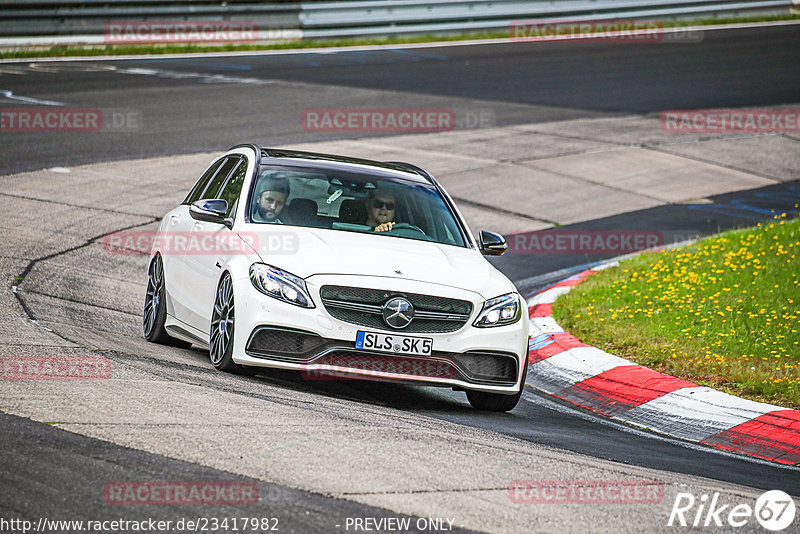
{"x": 202, "y": 183}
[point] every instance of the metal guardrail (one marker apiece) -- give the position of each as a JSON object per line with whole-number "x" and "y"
{"x": 88, "y": 19}
{"x": 49, "y": 22}
{"x": 336, "y": 19}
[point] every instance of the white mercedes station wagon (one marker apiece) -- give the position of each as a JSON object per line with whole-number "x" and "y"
{"x": 340, "y": 268}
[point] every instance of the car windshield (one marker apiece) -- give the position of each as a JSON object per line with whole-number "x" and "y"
{"x": 352, "y": 202}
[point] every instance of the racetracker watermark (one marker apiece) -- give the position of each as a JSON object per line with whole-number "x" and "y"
{"x": 335, "y": 367}
{"x": 731, "y": 121}
{"x": 57, "y": 120}
{"x": 181, "y": 31}
{"x": 585, "y": 492}
{"x": 378, "y": 120}
{"x": 612, "y": 30}
{"x": 584, "y": 241}
{"x": 406, "y": 120}
{"x": 181, "y": 493}
{"x": 55, "y": 368}
{"x": 199, "y": 242}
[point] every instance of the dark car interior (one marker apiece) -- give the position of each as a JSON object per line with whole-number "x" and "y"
{"x": 319, "y": 199}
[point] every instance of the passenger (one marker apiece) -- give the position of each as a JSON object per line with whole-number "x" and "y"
{"x": 380, "y": 211}
{"x": 271, "y": 198}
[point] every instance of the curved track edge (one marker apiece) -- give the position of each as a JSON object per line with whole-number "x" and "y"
{"x": 562, "y": 366}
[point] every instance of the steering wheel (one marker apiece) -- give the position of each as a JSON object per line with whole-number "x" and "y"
{"x": 407, "y": 226}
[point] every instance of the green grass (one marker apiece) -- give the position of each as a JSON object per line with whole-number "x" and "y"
{"x": 121, "y": 50}
{"x": 117, "y": 50}
{"x": 722, "y": 312}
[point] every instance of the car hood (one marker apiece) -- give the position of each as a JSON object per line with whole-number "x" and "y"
{"x": 306, "y": 252}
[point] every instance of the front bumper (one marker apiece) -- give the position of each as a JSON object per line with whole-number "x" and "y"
{"x": 271, "y": 333}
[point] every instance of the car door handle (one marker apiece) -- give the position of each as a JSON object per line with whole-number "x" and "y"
{"x": 198, "y": 226}
{"x": 175, "y": 219}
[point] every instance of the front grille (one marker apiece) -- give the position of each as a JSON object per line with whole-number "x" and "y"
{"x": 283, "y": 341}
{"x": 398, "y": 365}
{"x": 363, "y": 306}
{"x": 380, "y": 296}
{"x": 488, "y": 365}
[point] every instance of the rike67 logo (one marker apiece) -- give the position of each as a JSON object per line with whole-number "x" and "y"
{"x": 774, "y": 510}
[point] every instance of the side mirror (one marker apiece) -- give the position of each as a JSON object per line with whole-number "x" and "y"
{"x": 492, "y": 244}
{"x": 211, "y": 210}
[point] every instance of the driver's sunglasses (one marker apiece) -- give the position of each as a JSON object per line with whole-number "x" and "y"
{"x": 379, "y": 204}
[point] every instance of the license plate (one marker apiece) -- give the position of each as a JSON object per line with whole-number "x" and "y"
{"x": 417, "y": 346}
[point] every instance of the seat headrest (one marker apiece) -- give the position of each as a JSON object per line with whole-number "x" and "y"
{"x": 302, "y": 211}
{"x": 353, "y": 211}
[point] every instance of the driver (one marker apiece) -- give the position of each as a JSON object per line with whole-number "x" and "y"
{"x": 271, "y": 197}
{"x": 380, "y": 211}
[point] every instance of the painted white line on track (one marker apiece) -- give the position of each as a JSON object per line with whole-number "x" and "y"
{"x": 202, "y": 77}
{"x": 83, "y": 67}
{"x": 28, "y": 100}
{"x": 366, "y": 48}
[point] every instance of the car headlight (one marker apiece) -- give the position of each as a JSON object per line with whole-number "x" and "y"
{"x": 280, "y": 285}
{"x": 499, "y": 311}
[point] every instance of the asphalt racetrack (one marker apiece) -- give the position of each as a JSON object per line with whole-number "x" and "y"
{"x": 521, "y": 83}
{"x": 321, "y": 453}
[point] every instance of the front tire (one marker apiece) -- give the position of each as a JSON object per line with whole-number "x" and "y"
{"x": 220, "y": 345}
{"x": 497, "y": 402}
{"x": 155, "y": 307}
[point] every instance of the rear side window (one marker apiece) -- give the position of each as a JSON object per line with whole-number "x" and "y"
{"x": 202, "y": 183}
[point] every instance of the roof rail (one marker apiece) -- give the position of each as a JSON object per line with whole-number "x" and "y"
{"x": 246, "y": 145}
{"x": 413, "y": 168}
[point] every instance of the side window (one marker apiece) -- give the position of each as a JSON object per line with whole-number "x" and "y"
{"x": 202, "y": 183}
{"x": 215, "y": 186}
{"x": 231, "y": 190}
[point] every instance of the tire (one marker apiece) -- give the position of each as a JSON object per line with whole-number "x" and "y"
{"x": 497, "y": 402}
{"x": 155, "y": 307}
{"x": 220, "y": 340}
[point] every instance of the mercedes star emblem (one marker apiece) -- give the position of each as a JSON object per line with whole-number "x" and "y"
{"x": 398, "y": 312}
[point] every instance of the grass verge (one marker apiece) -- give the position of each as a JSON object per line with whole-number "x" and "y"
{"x": 124, "y": 50}
{"x": 722, "y": 312}
{"x": 34, "y": 52}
